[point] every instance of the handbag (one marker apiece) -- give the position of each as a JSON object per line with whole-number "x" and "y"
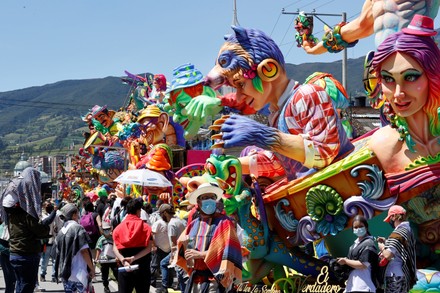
{"x": 341, "y": 272}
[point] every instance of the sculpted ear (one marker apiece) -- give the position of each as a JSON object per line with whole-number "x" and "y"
{"x": 269, "y": 70}
{"x": 163, "y": 121}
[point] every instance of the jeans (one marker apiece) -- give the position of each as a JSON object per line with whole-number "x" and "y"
{"x": 8, "y": 272}
{"x": 26, "y": 271}
{"x": 156, "y": 259}
{"x": 166, "y": 277}
{"x": 71, "y": 286}
{"x": 45, "y": 261}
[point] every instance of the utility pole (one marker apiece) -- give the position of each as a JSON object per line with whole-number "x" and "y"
{"x": 344, "y": 52}
{"x": 234, "y": 18}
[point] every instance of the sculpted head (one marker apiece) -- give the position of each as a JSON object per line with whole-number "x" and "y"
{"x": 407, "y": 67}
{"x": 250, "y": 61}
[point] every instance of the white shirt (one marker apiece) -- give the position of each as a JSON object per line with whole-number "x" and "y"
{"x": 360, "y": 280}
{"x": 160, "y": 235}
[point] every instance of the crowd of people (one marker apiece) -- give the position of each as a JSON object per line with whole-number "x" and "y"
{"x": 126, "y": 238}
{"x": 141, "y": 247}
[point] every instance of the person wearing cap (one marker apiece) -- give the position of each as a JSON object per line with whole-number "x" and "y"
{"x": 406, "y": 64}
{"x": 161, "y": 247}
{"x": 105, "y": 255}
{"x": 132, "y": 246}
{"x": 175, "y": 227}
{"x": 209, "y": 249}
{"x": 400, "y": 251}
{"x": 73, "y": 255}
{"x": 21, "y": 202}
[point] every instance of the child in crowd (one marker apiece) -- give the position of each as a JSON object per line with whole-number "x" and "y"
{"x": 105, "y": 255}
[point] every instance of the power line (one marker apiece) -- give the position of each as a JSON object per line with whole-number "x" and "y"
{"x": 324, "y": 4}
{"x": 296, "y": 2}
{"x": 310, "y": 3}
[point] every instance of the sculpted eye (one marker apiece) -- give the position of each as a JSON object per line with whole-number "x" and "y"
{"x": 210, "y": 168}
{"x": 224, "y": 59}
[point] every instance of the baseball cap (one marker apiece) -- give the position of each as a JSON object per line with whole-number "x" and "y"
{"x": 395, "y": 210}
{"x": 68, "y": 210}
{"x": 166, "y": 207}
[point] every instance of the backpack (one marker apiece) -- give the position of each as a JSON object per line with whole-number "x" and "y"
{"x": 106, "y": 216}
{"x": 88, "y": 223}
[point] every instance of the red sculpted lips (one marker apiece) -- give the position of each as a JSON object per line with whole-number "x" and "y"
{"x": 402, "y": 105}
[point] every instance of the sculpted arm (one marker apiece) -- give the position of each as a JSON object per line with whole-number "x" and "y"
{"x": 359, "y": 28}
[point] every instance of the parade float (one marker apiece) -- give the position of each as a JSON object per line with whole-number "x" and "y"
{"x": 283, "y": 218}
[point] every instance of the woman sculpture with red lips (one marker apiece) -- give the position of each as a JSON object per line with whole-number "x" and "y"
{"x": 406, "y": 64}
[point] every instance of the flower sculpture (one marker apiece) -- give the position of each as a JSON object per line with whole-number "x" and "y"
{"x": 325, "y": 206}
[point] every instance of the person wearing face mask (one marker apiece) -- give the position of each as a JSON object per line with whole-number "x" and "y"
{"x": 210, "y": 242}
{"x": 400, "y": 251}
{"x": 362, "y": 257}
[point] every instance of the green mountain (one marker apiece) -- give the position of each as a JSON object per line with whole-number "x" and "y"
{"x": 46, "y": 120}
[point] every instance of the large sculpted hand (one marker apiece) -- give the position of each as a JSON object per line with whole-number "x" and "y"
{"x": 200, "y": 107}
{"x": 241, "y": 131}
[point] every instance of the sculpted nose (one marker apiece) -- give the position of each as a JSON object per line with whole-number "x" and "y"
{"x": 214, "y": 79}
{"x": 398, "y": 92}
{"x": 193, "y": 183}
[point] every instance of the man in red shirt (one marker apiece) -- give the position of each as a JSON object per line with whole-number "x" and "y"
{"x": 132, "y": 246}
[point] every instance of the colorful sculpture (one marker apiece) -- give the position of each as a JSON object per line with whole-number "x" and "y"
{"x": 304, "y": 29}
{"x": 186, "y": 84}
{"x": 381, "y": 17}
{"x": 304, "y": 133}
{"x": 409, "y": 80}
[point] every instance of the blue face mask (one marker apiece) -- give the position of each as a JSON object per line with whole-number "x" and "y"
{"x": 360, "y": 232}
{"x": 209, "y": 206}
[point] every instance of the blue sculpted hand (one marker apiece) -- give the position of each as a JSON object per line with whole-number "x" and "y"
{"x": 241, "y": 131}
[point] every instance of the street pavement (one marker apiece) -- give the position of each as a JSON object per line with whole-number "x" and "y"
{"x": 48, "y": 286}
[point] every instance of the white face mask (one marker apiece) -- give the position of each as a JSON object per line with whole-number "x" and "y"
{"x": 360, "y": 232}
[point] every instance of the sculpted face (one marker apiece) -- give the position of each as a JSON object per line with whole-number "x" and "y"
{"x": 104, "y": 119}
{"x": 152, "y": 132}
{"x": 404, "y": 84}
{"x": 247, "y": 93}
{"x": 180, "y": 113}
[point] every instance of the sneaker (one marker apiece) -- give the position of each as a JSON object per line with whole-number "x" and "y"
{"x": 42, "y": 278}
{"x": 54, "y": 280}
{"x": 107, "y": 290}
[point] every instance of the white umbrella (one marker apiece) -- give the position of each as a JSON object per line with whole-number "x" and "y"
{"x": 143, "y": 177}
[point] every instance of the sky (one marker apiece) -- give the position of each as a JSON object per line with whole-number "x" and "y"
{"x": 47, "y": 41}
